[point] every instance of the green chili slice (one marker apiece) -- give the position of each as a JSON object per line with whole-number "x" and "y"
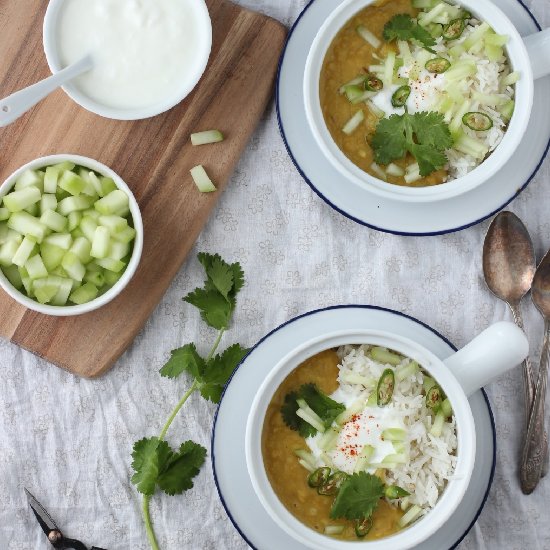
{"x": 363, "y": 526}
{"x": 434, "y": 397}
{"x": 384, "y": 390}
{"x": 333, "y": 483}
{"x": 480, "y": 122}
{"x": 454, "y": 29}
{"x": 318, "y": 477}
{"x": 372, "y": 83}
{"x": 400, "y": 96}
{"x": 438, "y": 65}
{"x": 466, "y": 15}
{"x": 393, "y": 491}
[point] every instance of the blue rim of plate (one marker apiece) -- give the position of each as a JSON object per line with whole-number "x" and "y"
{"x": 353, "y": 218}
{"x": 359, "y": 306}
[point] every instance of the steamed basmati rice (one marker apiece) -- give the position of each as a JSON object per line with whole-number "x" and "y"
{"x": 432, "y": 460}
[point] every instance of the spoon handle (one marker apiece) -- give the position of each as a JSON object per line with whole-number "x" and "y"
{"x": 528, "y": 377}
{"x": 18, "y": 103}
{"x": 533, "y": 451}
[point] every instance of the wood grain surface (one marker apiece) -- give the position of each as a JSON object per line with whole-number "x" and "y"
{"x": 153, "y": 156}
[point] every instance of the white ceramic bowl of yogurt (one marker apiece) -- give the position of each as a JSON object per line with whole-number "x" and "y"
{"x": 148, "y": 54}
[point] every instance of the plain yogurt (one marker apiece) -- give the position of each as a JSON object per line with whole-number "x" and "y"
{"x": 145, "y": 52}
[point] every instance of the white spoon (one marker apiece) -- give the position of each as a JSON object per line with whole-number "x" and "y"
{"x": 15, "y": 105}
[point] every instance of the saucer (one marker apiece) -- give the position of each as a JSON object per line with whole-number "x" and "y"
{"x": 385, "y": 214}
{"x": 228, "y": 437}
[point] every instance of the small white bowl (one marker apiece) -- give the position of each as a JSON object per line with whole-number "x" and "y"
{"x": 499, "y": 348}
{"x": 529, "y": 56}
{"x": 118, "y": 287}
{"x": 188, "y": 82}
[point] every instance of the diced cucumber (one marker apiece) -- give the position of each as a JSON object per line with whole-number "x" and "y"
{"x": 96, "y": 183}
{"x": 206, "y": 137}
{"x": 46, "y": 288}
{"x": 95, "y": 277}
{"x": 115, "y": 224}
{"x": 202, "y": 180}
{"x": 62, "y": 295}
{"x": 26, "y": 248}
{"x": 35, "y": 267}
{"x": 81, "y": 247}
{"x": 111, "y": 278}
{"x": 108, "y": 185}
{"x": 112, "y": 202}
{"x": 74, "y": 220}
{"x": 73, "y": 204}
{"x": 48, "y": 202}
{"x": 353, "y": 123}
{"x": 126, "y": 236}
{"x": 62, "y": 240}
{"x": 119, "y": 250}
{"x": 76, "y": 233}
{"x": 71, "y": 182}
{"x": 92, "y": 213}
{"x": 4, "y": 214}
{"x": 12, "y": 274}
{"x": 7, "y": 252}
{"x": 53, "y": 220}
{"x": 84, "y": 294}
{"x": 111, "y": 265}
{"x": 89, "y": 188}
{"x": 73, "y": 266}
{"x": 51, "y": 255}
{"x": 101, "y": 242}
{"x": 52, "y": 175}
{"x": 88, "y": 227}
{"x": 19, "y": 200}
{"x": 24, "y": 223}
{"x": 30, "y": 178}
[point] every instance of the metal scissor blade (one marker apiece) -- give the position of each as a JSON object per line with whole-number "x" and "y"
{"x": 45, "y": 520}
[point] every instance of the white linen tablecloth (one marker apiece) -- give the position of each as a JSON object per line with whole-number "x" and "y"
{"x": 69, "y": 440}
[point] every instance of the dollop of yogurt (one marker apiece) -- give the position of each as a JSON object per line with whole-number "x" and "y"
{"x": 364, "y": 428}
{"x": 143, "y": 50}
{"x": 426, "y": 90}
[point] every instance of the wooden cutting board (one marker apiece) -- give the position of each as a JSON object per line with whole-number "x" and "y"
{"x": 153, "y": 156}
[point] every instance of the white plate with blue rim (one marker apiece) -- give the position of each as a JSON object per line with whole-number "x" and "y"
{"x": 246, "y": 512}
{"x": 384, "y": 214}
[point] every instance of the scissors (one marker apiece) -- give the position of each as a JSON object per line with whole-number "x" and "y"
{"x": 55, "y": 536}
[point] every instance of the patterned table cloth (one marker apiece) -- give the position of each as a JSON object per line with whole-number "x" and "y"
{"x": 69, "y": 440}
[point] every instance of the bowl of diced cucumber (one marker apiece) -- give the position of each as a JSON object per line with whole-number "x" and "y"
{"x": 71, "y": 235}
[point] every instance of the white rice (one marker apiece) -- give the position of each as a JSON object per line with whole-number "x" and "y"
{"x": 487, "y": 80}
{"x": 432, "y": 460}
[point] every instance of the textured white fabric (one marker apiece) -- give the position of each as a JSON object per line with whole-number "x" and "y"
{"x": 69, "y": 440}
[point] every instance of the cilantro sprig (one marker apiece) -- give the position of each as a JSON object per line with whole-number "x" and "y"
{"x": 358, "y": 497}
{"x": 424, "y": 135}
{"x": 156, "y": 465}
{"x": 404, "y": 27}
{"x": 326, "y": 408}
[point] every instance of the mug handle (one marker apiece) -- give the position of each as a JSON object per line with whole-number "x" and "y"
{"x": 496, "y": 350}
{"x": 538, "y": 48}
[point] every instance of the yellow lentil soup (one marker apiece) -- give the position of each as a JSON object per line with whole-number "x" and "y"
{"x": 349, "y": 55}
{"x": 289, "y": 479}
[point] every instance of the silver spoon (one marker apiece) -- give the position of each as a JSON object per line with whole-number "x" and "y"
{"x": 18, "y": 103}
{"x": 533, "y": 457}
{"x": 509, "y": 265}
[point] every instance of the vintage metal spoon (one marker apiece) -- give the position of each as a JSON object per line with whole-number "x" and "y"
{"x": 509, "y": 265}
{"x": 533, "y": 456}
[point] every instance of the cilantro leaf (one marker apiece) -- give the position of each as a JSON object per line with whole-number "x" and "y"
{"x": 182, "y": 466}
{"x": 358, "y": 497}
{"x": 215, "y": 309}
{"x": 424, "y": 135}
{"x": 403, "y": 27}
{"x": 183, "y": 359}
{"x": 217, "y": 300}
{"x": 154, "y": 462}
{"x": 325, "y": 407}
{"x": 150, "y": 457}
{"x": 218, "y": 371}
